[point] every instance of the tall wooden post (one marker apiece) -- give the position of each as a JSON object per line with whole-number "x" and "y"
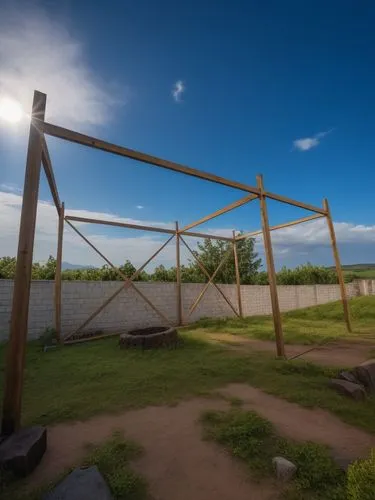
{"x": 178, "y": 278}
{"x": 340, "y": 275}
{"x": 58, "y": 273}
{"x": 20, "y": 308}
{"x": 238, "y": 278}
{"x": 271, "y": 270}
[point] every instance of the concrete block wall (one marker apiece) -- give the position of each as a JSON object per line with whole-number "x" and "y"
{"x": 128, "y": 310}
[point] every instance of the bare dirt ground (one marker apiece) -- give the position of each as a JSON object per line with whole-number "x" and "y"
{"x": 339, "y": 353}
{"x": 178, "y": 464}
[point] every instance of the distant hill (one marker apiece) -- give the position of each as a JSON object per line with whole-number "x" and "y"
{"x": 356, "y": 267}
{"x": 67, "y": 265}
{"x": 361, "y": 271}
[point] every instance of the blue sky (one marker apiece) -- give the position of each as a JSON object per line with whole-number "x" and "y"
{"x": 279, "y": 88}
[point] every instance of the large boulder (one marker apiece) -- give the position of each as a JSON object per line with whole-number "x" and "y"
{"x": 22, "y": 451}
{"x": 349, "y": 389}
{"x": 285, "y": 470}
{"x": 81, "y": 484}
{"x": 365, "y": 373}
{"x": 350, "y": 377}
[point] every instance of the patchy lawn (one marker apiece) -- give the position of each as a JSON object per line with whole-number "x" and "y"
{"x": 313, "y": 325}
{"x": 77, "y": 382}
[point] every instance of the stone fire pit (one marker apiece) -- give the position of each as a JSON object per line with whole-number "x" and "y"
{"x": 149, "y": 338}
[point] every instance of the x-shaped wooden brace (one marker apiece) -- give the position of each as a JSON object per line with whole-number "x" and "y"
{"x": 128, "y": 282}
{"x": 210, "y": 279}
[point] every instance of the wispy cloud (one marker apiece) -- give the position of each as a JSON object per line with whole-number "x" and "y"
{"x": 178, "y": 90}
{"x": 10, "y": 188}
{"x": 38, "y": 52}
{"x": 140, "y": 207}
{"x": 310, "y": 142}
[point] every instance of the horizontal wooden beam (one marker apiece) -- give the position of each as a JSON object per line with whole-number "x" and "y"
{"x": 92, "y": 142}
{"x": 47, "y": 166}
{"x": 280, "y": 226}
{"x": 290, "y": 201}
{"x": 120, "y": 224}
{"x": 223, "y": 210}
{"x": 144, "y": 228}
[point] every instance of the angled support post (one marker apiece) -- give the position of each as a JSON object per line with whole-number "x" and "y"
{"x": 271, "y": 270}
{"x": 178, "y": 279}
{"x": 21, "y": 294}
{"x": 58, "y": 272}
{"x": 339, "y": 272}
{"x": 238, "y": 278}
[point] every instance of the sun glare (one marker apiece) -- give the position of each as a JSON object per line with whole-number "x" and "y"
{"x": 10, "y": 110}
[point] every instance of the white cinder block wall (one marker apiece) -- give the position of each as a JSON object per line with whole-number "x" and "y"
{"x": 129, "y": 310}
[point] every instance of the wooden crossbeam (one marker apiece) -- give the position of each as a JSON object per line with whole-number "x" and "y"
{"x": 143, "y": 228}
{"x": 47, "y": 166}
{"x": 204, "y": 270}
{"x": 280, "y": 226}
{"x": 223, "y": 210}
{"x": 92, "y": 142}
{"x": 290, "y": 201}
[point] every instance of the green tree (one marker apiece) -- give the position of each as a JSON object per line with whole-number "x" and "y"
{"x": 211, "y": 253}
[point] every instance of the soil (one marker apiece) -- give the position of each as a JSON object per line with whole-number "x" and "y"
{"x": 179, "y": 465}
{"x": 339, "y": 353}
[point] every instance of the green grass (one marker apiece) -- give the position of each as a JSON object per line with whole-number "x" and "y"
{"x": 253, "y": 439}
{"x": 313, "y": 325}
{"x": 77, "y": 382}
{"x": 113, "y": 461}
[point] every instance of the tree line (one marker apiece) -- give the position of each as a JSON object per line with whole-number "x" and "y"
{"x": 210, "y": 254}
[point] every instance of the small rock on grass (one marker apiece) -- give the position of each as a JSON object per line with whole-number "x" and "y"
{"x": 365, "y": 373}
{"x": 354, "y": 391}
{"x": 285, "y": 470}
{"x": 348, "y": 376}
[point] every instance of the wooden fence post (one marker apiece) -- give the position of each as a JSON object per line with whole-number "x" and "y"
{"x": 271, "y": 270}
{"x": 340, "y": 275}
{"x": 178, "y": 278}
{"x": 21, "y": 294}
{"x": 238, "y": 278}
{"x": 58, "y": 273}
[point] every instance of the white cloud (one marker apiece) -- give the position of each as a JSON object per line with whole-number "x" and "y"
{"x": 140, "y": 207}
{"x": 10, "y": 187}
{"x": 38, "y": 52}
{"x": 310, "y": 142}
{"x": 178, "y": 90}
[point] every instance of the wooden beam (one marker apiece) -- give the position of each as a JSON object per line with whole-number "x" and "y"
{"x": 340, "y": 275}
{"x": 120, "y": 224}
{"x": 204, "y": 270}
{"x": 47, "y": 165}
{"x": 290, "y": 201}
{"x": 237, "y": 271}
{"x": 15, "y": 363}
{"x": 58, "y": 273}
{"x": 271, "y": 270}
{"x": 223, "y": 210}
{"x": 144, "y": 228}
{"x": 178, "y": 279}
{"x": 280, "y": 226}
{"x": 209, "y": 282}
{"x": 85, "y": 140}
{"x": 127, "y": 283}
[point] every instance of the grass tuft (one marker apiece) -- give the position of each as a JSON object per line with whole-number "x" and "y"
{"x": 253, "y": 439}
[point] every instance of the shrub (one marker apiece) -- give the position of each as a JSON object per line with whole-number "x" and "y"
{"x": 361, "y": 479}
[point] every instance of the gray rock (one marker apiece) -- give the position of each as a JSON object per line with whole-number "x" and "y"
{"x": 81, "y": 484}
{"x": 350, "y": 377}
{"x": 285, "y": 470}
{"x": 22, "y": 451}
{"x": 365, "y": 373}
{"x": 354, "y": 391}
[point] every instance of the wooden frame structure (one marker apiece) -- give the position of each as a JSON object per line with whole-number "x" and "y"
{"x": 38, "y": 155}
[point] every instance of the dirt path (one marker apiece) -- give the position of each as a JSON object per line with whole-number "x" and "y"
{"x": 333, "y": 354}
{"x": 178, "y": 465}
